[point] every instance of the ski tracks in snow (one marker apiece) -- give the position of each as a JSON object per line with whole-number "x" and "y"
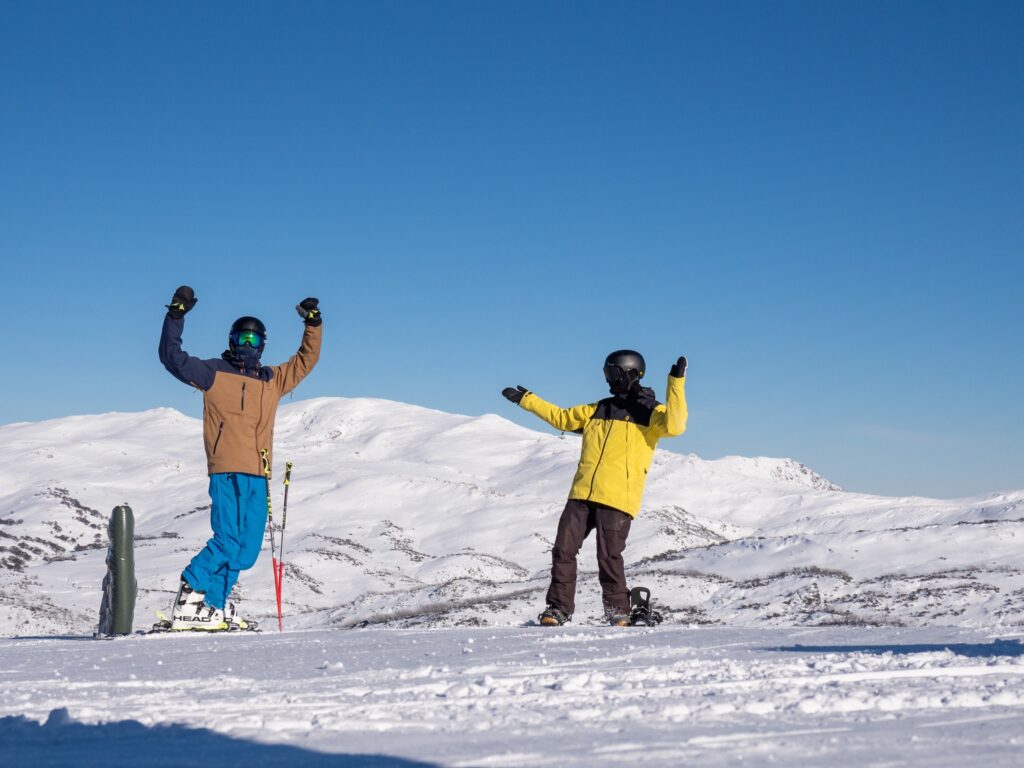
{"x": 571, "y": 696}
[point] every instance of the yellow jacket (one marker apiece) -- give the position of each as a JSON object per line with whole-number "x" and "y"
{"x": 619, "y": 437}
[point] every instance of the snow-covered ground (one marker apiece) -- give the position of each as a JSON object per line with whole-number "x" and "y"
{"x": 517, "y": 697}
{"x": 805, "y": 625}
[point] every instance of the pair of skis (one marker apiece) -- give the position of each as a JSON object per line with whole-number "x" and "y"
{"x": 273, "y": 530}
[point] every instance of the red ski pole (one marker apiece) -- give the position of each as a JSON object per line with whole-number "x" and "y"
{"x": 265, "y": 455}
{"x": 280, "y": 564}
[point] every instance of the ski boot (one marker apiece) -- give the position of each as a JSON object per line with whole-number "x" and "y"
{"x": 553, "y": 617}
{"x": 199, "y": 617}
{"x": 235, "y": 621}
{"x": 191, "y": 612}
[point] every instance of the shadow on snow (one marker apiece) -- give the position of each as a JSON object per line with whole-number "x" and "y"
{"x": 62, "y": 741}
{"x": 975, "y": 650}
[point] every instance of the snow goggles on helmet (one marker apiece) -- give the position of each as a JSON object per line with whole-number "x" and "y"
{"x": 253, "y": 339}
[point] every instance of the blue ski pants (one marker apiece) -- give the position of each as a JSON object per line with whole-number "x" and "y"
{"x": 238, "y": 517}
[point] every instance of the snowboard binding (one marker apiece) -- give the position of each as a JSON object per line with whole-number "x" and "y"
{"x": 641, "y": 613}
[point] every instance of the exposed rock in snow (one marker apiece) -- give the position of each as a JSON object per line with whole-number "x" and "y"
{"x": 411, "y": 516}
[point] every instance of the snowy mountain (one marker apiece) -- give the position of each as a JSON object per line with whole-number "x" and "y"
{"x": 408, "y": 516}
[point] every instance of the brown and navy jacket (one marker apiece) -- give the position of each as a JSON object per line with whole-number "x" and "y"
{"x": 239, "y": 403}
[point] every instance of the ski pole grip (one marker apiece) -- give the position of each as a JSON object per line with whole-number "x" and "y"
{"x": 287, "y": 473}
{"x": 117, "y": 609}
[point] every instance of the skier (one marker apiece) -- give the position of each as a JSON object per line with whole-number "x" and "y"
{"x": 240, "y": 397}
{"x": 619, "y": 437}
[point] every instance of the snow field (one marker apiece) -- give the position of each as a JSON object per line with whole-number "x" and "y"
{"x": 805, "y": 625}
{"x": 567, "y": 696}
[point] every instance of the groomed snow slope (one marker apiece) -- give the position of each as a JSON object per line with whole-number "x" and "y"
{"x": 580, "y": 696}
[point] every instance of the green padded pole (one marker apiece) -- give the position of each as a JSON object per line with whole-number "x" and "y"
{"x": 118, "y": 607}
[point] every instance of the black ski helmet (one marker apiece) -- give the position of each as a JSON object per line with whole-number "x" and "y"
{"x": 623, "y": 368}
{"x": 247, "y": 323}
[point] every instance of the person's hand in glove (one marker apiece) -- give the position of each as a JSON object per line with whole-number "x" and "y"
{"x": 309, "y": 311}
{"x": 514, "y": 395}
{"x": 181, "y": 302}
{"x": 679, "y": 369}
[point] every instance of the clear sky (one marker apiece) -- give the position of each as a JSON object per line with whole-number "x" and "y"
{"x": 820, "y": 204}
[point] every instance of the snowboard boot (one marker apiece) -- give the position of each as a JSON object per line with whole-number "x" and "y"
{"x": 618, "y": 618}
{"x": 235, "y": 621}
{"x": 553, "y": 617}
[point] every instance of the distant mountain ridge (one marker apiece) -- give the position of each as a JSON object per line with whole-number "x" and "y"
{"x": 405, "y": 515}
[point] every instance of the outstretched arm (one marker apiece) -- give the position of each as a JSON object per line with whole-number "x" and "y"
{"x": 670, "y": 420}
{"x": 288, "y": 375}
{"x": 564, "y": 419}
{"x": 190, "y": 370}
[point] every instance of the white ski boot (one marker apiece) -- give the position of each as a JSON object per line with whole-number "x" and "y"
{"x": 236, "y": 622}
{"x": 190, "y": 612}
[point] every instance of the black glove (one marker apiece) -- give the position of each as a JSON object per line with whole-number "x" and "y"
{"x": 514, "y": 395}
{"x": 679, "y": 369}
{"x": 309, "y": 311}
{"x": 181, "y": 302}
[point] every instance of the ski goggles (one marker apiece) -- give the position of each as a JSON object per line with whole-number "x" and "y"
{"x": 620, "y": 379}
{"x": 251, "y": 338}
{"x": 615, "y": 373}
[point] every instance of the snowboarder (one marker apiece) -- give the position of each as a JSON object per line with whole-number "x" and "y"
{"x": 240, "y": 397}
{"x": 619, "y": 437}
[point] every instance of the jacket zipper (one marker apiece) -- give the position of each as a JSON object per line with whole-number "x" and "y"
{"x": 243, "y": 395}
{"x": 597, "y": 466}
{"x": 220, "y": 429}
{"x": 627, "y": 462}
{"x": 259, "y": 421}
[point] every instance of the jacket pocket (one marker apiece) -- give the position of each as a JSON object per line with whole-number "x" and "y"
{"x": 243, "y": 395}
{"x": 220, "y": 431}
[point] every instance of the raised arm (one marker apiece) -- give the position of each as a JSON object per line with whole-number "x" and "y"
{"x": 190, "y": 370}
{"x": 565, "y": 419}
{"x": 288, "y": 375}
{"x": 670, "y": 420}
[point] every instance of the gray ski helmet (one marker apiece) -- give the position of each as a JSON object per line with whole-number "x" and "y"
{"x": 623, "y": 368}
{"x": 244, "y": 326}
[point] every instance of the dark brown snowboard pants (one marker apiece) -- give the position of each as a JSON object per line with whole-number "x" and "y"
{"x": 578, "y": 519}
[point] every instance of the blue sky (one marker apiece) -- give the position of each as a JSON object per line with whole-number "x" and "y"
{"x": 820, "y": 204}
